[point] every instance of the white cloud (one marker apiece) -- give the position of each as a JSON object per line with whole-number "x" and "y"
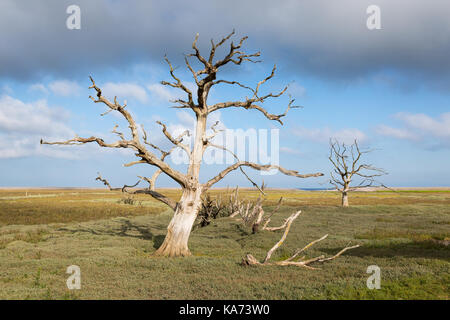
{"x": 439, "y": 127}
{"x": 31, "y": 118}
{"x": 39, "y": 87}
{"x": 161, "y": 92}
{"x": 23, "y": 124}
{"x": 396, "y": 133}
{"x": 64, "y": 88}
{"x": 420, "y": 127}
{"x": 124, "y": 90}
{"x": 323, "y": 135}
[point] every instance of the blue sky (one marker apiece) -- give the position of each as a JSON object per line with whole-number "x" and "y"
{"x": 388, "y": 88}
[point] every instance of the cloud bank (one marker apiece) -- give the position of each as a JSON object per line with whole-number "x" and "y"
{"x": 327, "y": 39}
{"x": 419, "y": 128}
{"x": 23, "y": 124}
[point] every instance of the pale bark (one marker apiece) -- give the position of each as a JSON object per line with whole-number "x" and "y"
{"x": 345, "y": 199}
{"x": 176, "y": 241}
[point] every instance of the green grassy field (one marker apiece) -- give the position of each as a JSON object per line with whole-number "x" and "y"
{"x": 42, "y": 232}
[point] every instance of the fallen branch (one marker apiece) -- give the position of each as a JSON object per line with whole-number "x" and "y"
{"x": 249, "y": 259}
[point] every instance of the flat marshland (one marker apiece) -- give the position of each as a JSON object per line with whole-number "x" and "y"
{"x": 43, "y": 231}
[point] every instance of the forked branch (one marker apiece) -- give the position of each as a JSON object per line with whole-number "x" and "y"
{"x": 294, "y": 260}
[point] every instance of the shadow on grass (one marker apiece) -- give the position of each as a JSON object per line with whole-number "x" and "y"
{"x": 158, "y": 240}
{"x": 140, "y": 232}
{"x": 422, "y": 249}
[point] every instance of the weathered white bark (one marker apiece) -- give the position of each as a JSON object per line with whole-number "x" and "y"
{"x": 178, "y": 232}
{"x": 345, "y": 199}
{"x": 176, "y": 241}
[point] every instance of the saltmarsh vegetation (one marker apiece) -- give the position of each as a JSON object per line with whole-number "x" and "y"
{"x": 405, "y": 233}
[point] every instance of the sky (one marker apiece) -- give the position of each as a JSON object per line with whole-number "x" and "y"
{"x": 389, "y": 88}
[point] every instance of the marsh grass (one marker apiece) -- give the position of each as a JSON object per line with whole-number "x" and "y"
{"x": 66, "y": 207}
{"x": 403, "y": 233}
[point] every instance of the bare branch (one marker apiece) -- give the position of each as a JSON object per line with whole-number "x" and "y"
{"x": 298, "y": 251}
{"x": 215, "y": 46}
{"x": 171, "y": 203}
{"x": 176, "y": 142}
{"x": 252, "y": 103}
{"x": 267, "y": 219}
{"x": 234, "y": 83}
{"x": 178, "y": 84}
{"x": 339, "y": 253}
{"x": 283, "y": 237}
{"x": 209, "y": 144}
{"x": 259, "y": 167}
{"x": 294, "y": 260}
{"x": 215, "y": 132}
{"x": 120, "y": 134}
{"x": 134, "y": 143}
{"x": 123, "y": 189}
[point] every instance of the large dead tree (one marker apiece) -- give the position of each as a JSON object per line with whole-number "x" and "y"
{"x": 347, "y": 166}
{"x": 187, "y": 207}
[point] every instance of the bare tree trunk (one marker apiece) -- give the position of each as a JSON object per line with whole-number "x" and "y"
{"x": 344, "y": 199}
{"x": 176, "y": 241}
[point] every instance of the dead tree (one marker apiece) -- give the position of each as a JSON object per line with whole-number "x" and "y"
{"x": 254, "y": 216}
{"x": 344, "y": 171}
{"x": 187, "y": 207}
{"x": 250, "y": 213}
{"x": 295, "y": 259}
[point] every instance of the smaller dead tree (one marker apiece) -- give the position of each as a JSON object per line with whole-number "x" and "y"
{"x": 347, "y": 166}
{"x": 250, "y": 213}
{"x": 295, "y": 259}
{"x": 255, "y": 217}
{"x": 211, "y": 209}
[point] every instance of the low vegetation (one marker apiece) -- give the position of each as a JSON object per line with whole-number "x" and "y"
{"x": 42, "y": 232}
